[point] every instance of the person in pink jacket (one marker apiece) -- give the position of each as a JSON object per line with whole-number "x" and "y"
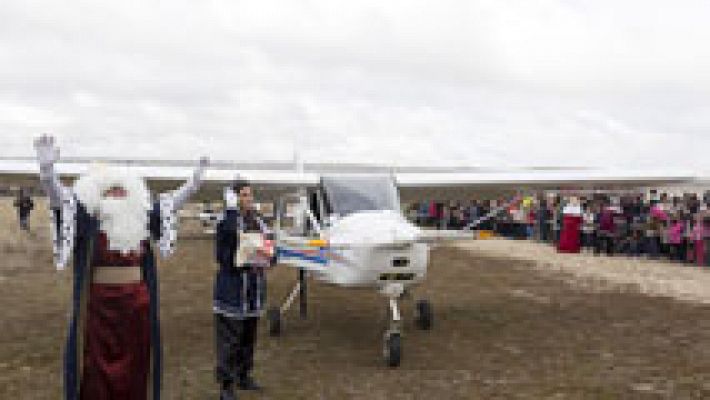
{"x": 675, "y": 238}
{"x": 696, "y": 237}
{"x": 699, "y": 236}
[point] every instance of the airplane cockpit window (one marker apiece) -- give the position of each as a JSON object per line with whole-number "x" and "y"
{"x": 346, "y": 195}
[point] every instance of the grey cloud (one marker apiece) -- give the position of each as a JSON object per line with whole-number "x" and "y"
{"x": 545, "y": 82}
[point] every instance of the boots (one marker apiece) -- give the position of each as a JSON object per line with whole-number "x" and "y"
{"x": 246, "y": 382}
{"x": 227, "y": 392}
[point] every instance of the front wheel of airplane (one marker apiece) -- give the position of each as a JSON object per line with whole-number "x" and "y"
{"x": 273, "y": 317}
{"x": 425, "y": 315}
{"x": 393, "y": 349}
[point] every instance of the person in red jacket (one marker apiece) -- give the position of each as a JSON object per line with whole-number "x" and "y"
{"x": 571, "y": 227}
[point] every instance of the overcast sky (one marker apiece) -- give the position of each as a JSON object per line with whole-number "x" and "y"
{"x": 472, "y": 82}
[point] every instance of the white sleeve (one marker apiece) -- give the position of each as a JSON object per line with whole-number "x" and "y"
{"x": 168, "y": 224}
{"x": 63, "y": 238}
{"x": 181, "y": 194}
{"x": 50, "y": 183}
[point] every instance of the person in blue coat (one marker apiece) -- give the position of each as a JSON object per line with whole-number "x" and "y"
{"x": 239, "y": 290}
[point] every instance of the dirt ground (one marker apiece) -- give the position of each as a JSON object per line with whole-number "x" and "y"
{"x": 503, "y": 330}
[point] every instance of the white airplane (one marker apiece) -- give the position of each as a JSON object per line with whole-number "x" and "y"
{"x": 347, "y": 228}
{"x": 351, "y": 233}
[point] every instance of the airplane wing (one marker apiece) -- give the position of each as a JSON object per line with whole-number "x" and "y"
{"x": 457, "y": 185}
{"x": 271, "y": 179}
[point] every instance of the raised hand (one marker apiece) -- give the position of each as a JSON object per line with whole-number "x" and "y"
{"x": 191, "y": 185}
{"x": 47, "y": 151}
{"x": 47, "y": 155}
{"x": 201, "y": 166}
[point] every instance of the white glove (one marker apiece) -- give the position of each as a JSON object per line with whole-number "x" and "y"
{"x": 47, "y": 152}
{"x": 230, "y": 198}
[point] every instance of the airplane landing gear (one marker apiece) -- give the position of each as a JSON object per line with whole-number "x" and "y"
{"x": 300, "y": 290}
{"x": 273, "y": 317}
{"x": 425, "y": 315}
{"x": 424, "y": 319}
{"x": 392, "y": 347}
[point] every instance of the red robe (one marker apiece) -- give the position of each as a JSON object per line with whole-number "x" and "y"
{"x": 570, "y": 234}
{"x": 116, "y": 360}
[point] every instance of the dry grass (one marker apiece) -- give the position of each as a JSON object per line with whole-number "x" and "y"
{"x": 503, "y": 330}
{"x": 655, "y": 278}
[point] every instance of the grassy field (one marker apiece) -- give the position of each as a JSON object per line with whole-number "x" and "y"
{"x": 502, "y": 330}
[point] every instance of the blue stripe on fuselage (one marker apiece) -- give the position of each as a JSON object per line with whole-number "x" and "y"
{"x": 288, "y": 253}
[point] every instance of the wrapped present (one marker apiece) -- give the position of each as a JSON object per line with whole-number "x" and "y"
{"x": 254, "y": 250}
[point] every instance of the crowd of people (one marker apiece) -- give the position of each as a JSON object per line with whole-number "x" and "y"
{"x": 653, "y": 224}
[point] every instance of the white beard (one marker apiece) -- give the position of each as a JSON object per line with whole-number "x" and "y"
{"x": 125, "y": 223}
{"x": 123, "y": 220}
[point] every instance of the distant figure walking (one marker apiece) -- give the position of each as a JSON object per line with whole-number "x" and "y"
{"x": 24, "y": 205}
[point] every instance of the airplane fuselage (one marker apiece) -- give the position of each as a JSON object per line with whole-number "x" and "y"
{"x": 378, "y": 250}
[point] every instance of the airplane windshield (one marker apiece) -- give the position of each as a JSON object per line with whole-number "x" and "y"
{"x": 346, "y": 195}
